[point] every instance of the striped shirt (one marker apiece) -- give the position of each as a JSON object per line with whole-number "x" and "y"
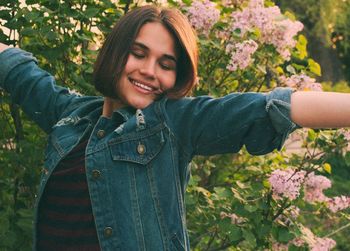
{"x": 66, "y": 222}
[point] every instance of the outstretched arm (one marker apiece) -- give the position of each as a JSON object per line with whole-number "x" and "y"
{"x": 32, "y": 88}
{"x": 321, "y": 109}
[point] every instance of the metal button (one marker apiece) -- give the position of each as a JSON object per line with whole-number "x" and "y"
{"x": 96, "y": 174}
{"x": 108, "y": 231}
{"x": 101, "y": 134}
{"x": 141, "y": 149}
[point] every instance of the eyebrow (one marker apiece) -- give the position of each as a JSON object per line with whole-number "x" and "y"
{"x": 143, "y": 46}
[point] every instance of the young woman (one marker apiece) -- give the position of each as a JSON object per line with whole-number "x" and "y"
{"x": 116, "y": 166}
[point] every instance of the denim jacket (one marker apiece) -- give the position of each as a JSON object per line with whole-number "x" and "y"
{"x": 137, "y": 161}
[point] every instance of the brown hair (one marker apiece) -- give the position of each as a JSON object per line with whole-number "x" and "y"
{"x": 114, "y": 53}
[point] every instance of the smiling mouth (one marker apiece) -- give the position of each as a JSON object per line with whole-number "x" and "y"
{"x": 145, "y": 87}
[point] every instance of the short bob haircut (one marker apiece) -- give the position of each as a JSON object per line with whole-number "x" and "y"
{"x": 114, "y": 53}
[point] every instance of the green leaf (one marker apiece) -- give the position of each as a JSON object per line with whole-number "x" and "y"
{"x": 29, "y": 2}
{"x": 314, "y": 67}
{"x": 263, "y": 230}
{"x": 249, "y": 237}
{"x": 26, "y": 224}
{"x": 327, "y": 167}
{"x": 311, "y": 135}
{"x": 31, "y": 15}
{"x": 291, "y": 69}
{"x": 28, "y": 32}
{"x": 51, "y": 36}
{"x": 222, "y": 192}
{"x": 283, "y": 235}
{"x": 235, "y": 233}
{"x": 250, "y": 208}
{"x": 91, "y": 12}
{"x": 290, "y": 15}
{"x": 4, "y": 223}
{"x": 301, "y": 47}
{"x": 4, "y": 14}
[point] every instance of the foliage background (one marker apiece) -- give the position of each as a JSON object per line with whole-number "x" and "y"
{"x": 64, "y": 36}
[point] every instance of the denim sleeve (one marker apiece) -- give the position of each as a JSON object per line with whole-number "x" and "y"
{"x": 32, "y": 88}
{"x": 207, "y": 126}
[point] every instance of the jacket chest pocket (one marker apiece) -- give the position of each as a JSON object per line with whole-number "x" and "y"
{"x": 141, "y": 149}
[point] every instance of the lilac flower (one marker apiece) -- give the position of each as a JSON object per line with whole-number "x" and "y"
{"x": 241, "y": 54}
{"x": 279, "y": 246}
{"x": 298, "y": 242}
{"x": 323, "y": 244}
{"x": 315, "y": 243}
{"x": 314, "y": 186}
{"x": 301, "y": 82}
{"x": 338, "y": 203}
{"x": 256, "y": 4}
{"x": 346, "y": 133}
{"x": 203, "y": 15}
{"x": 275, "y": 28}
{"x": 286, "y": 183}
{"x": 282, "y": 36}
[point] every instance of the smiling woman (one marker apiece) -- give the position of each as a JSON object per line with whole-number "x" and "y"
{"x": 117, "y": 166}
{"x": 172, "y": 25}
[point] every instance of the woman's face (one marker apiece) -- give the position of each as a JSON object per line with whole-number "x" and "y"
{"x": 150, "y": 68}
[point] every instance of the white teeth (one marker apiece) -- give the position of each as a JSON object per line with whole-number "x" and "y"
{"x": 142, "y": 85}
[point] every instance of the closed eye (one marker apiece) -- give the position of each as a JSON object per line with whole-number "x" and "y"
{"x": 138, "y": 53}
{"x": 168, "y": 66}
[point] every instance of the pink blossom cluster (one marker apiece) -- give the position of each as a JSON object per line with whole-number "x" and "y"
{"x": 301, "y": 82}
{"x": 298, "y": 242}
{"x": 276, "y": 246}
{"x": 316, "y": 243}
{"x": 275, "y": 28}
{"x": 286, "y": 183}
{"x": 256, "y": 4}
{"x": 314, "y": 186}
{"x": 346, "y": 133}
{"x": 338, "y": 203}
{"x": 203, "y": 15}
{"x": 241, "y": 54}
{"x": 323, "y": 244}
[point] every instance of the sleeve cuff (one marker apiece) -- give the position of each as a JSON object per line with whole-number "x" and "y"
{"x": 278, "y": 108}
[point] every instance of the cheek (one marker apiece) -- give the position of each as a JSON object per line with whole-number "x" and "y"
{"x": 169, "y": 80}
{"x": 129, "y": 65}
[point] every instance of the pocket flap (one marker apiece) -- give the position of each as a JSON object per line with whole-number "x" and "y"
{"x": 139, "y": 150}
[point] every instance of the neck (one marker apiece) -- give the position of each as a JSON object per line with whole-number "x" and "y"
{"x": 110, "y": 105}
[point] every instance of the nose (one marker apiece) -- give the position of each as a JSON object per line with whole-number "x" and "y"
{"x": 148, "y": 68}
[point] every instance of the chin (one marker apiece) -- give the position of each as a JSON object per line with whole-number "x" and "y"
{"x": 140, "y": 105}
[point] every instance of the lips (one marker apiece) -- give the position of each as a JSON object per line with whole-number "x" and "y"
{"x": 144, "y": 86}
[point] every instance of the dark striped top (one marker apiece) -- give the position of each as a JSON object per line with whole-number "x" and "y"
{"x": 66, "y": 222}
